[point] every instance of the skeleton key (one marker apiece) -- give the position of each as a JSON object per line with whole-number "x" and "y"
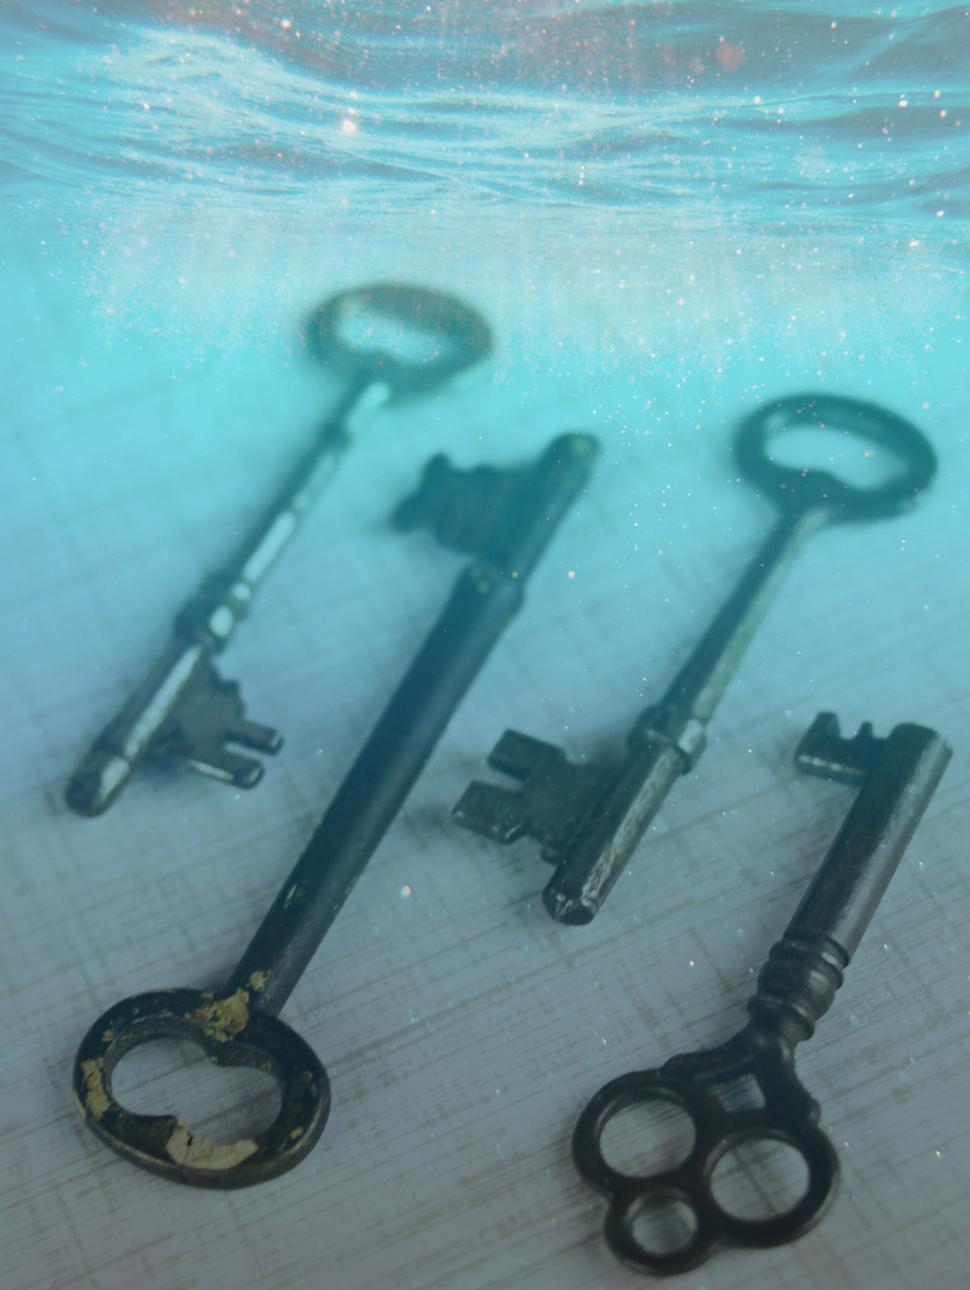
{"x": 589, "y": 818}
{"x": 506, "y": 518}
{"x": 897, "y": 777}
{"x": 182, "y": 709}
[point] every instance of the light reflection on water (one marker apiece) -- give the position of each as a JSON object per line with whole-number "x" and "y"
{"x": 702, "y": 113}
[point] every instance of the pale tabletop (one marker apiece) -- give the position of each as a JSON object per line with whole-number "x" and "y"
{"x": 464, "y": 1031}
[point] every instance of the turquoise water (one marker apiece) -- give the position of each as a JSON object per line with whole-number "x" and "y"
{"x": 181, "y": 167}
{"x": 788, "y": 117}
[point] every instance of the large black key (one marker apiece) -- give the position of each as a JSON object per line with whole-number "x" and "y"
{"x": 897, "y": 777}
{"x": 182, "y": 709}
{"x": 589, "y": 818}
{"x": 505, "y": 517}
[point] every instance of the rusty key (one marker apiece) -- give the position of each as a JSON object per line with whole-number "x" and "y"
{"x": 182, "y": 710}
{"x": 507, "y": 518}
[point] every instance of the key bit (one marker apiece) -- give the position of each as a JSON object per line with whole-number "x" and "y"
{"x": 462, "y": 508}
{"x": 825, "y": 752}
{"x": 209, "y": 715}
{"x": 483, "y": 510}
{"x": 555, "y": 797}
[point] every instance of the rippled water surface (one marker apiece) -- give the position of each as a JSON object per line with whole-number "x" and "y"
{"x": 798, "y": 116}
{"x": 654, "y": 191}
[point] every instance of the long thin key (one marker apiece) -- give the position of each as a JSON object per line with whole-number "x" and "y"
{"x": 182, "y": 709}
{"x": 505, "y": 517}
{"x": 897, "y": 777}
{"x": 590, "y": 817}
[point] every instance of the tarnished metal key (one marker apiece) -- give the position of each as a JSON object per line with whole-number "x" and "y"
{"x": 506, "y": 518}
{"x": 897, "y": 777}
{"x": 182, "y": 709}
{"x": 589, "y": 817}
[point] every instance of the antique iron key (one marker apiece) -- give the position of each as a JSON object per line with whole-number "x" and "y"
{"x": 182, "y": 709}
{"x": 506, "y": 518}
{"x": 897, "y": 777}
{"x": 589, "y": 817}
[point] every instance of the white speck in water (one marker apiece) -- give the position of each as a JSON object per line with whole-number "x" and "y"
{"x": 406, "y": 891}
{"x": 938, "y": 1153}
{"x": 691, "y": 963}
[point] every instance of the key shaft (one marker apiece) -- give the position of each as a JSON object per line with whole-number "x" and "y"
{"x": 669, "y": 737}
{"x": 485, "y": 598}
{"x": 898, "y": 776}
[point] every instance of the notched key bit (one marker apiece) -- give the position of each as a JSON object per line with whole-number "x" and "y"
{"x": 479, "y": 510}
{"x": 463, "y": 508}
{"x": 586, "y": 816}
{"x": 555, "y": 797}
{"x": 209, "y": 715}
{"x": 824, "y": 751}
